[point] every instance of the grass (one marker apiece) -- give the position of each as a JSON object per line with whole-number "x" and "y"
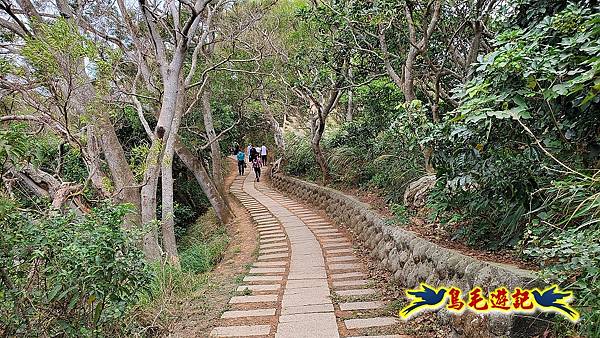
{"x": 201, "y": 248}
{"x": 239, "y": 278}
{"x": 202, "y": 257}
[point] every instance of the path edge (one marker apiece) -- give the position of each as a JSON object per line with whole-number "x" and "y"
{"x": 412, "y": 260}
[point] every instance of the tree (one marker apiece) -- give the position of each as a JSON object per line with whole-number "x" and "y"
{"x": 425, "y": 51}
{"x": 158, "y": 69}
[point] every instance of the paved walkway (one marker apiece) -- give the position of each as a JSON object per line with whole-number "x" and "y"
{"x": 306, "y": 280}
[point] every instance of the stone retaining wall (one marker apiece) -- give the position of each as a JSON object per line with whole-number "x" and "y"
{"x": 413, "y": 260}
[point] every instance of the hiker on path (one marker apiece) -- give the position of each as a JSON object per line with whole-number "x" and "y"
{"x": 250, "y": 147}
{"x": 241, "y": 161}
{"x": 253, "y": 154}
{"x": 263, "y": 154}
{"x": 256, "y": 164}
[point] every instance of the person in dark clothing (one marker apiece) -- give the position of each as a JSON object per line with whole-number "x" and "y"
{"x": 256, "y": 164}
{"x": 241, "y": 161}
{"x": 253, "y": 154}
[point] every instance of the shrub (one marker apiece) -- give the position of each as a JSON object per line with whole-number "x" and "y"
{"x": 202, "y": 257}
{"x": 300, "y": 160}
{"x": 203, "y": 244}
{"x": 563, "y": 238}
{"x": 68, "y": 275}
{"x": 532, "y": 96}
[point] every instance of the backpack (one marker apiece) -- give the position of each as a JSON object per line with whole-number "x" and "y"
{"x": 240, "y": 156}
{"x": 255, "y": 163}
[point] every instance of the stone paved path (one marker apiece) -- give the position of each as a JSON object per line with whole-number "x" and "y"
{"x": 306, "y": 280}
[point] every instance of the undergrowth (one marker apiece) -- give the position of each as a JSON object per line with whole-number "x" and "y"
{"x": 202, "y": 247}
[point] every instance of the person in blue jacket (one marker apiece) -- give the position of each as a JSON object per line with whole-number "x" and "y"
{"x": 241, "y": 158}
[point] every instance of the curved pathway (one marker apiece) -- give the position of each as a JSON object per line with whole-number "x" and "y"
{"x": 306, "y": 280}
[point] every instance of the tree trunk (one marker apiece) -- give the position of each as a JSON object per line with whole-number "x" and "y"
{"x": 427, "y": 156}
{"x": 120, "y": 172}
{"x": 216, "y": 199}
{"x": 97, "y": 177}
{"x": 317, "y": 130}
{"x": 167, "y": 191}
{"x": 148, "y": 201}
{"x": 321, "y": 161}
{"x": 409, "y": 77}
{"x": 215, "y": 148}
{"x": 173, "y": 87}
{"x": 194, "y": 165}
{"x": 350, "y": 106}
{"x": 168, "y": 210}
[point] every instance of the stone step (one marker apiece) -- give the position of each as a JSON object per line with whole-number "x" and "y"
{"x": 272, "y": 251}
{"x": 307, "y": 325}
{"x": 344, "y": 266}
{"x": 355, "y": 292}
{"x": 259, "y": 287}
{"x": 346, "y": 275}
{"x": 273, "y": 245}
{"x": 272, "y": 256}
{"x": 269, "y": 264}
{"x": 241, "y": 331}
{"x": 326, "y": 231}
{"x": 358, "y": 282}
{"x": 334, "y": 240}
{"x": 263, "y": 278}
{"x": 341, "y": 259}
{"x": 361, "y": 323}
{"x": 248, "y": 313}
{"x": 253, "y": 299}
{"x": 271, "y": 231}
{"x": 337, "y": 245}
{"x": 350, "y": 306}
{"x": 337, "y": 251}
{"x": 270, "y": 237}
{"x": 266, "y": 270}
{"x": 278, "y": 235}
{"x": 271, "y": 240}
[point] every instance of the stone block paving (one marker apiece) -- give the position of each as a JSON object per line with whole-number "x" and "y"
{"x": 306, "y": 281}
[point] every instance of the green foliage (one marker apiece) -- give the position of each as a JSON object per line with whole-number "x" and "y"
{"x": 377, "y": 149}
{"x": 202, "y": 257}
{"x": 563, "y": 238}
{"x": 68, "y": 275}
{"x": 14, "y": 143}
{"x": 517, "y": 165}
{"x": 401, "y": 214}
{"x": 137, "y": 160}
{"x": 61, "y": 49}
{"x": 300, "y": 159}
{"x": 203, "y": 244}
{"x": 540, "y": 80}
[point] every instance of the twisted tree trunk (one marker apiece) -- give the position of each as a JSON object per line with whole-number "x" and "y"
{"x": 216, "y": 199}
{"x": 317, "y": 130}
